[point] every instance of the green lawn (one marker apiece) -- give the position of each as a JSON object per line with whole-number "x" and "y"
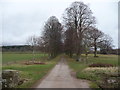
{"x": 79, "y": 67}
{"x": 107, "y": 59}
{"x": 32, "y": 73}
{"x": 13, "y": 57}
{"x": 35, "y": 72}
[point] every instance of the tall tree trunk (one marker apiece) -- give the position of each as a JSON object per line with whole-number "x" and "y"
{"x": 95, "y": 49}
{"x": 79, "y": 49}
{"x": 71, "y": 54}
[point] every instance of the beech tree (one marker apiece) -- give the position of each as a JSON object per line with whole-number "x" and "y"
{"x": 87, "y": 42}
{"x": 96, "y": 38}
{"x": 79, "y": 17}
{"x": 52, "y": 36}
{"x": 106, "y": 45}
{"x": 69, "y": 42}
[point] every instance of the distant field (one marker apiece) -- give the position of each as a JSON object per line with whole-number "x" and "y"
{"x": 108, "y": 59}
{"x": 12, "y": 57}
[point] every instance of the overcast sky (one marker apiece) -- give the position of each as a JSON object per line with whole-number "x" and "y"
{"x": 23, "y": 18}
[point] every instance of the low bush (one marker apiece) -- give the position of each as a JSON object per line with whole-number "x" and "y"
{"x": 39, "y": 63}
{"x": 100, "y": 65}
{"x": 31, "y": 63}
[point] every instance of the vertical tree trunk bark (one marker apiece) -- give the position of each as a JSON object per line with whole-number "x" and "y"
{"x": 79, "y": 51}
{"x": 71, "y": 54}
{"x": 95, "y": 49}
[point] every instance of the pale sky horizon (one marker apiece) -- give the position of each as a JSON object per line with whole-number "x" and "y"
{"x": 23, "y": 18}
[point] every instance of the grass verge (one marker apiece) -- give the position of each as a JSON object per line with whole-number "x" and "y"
{"x": 96, "y": 75}
{"x": 32, "y": 73}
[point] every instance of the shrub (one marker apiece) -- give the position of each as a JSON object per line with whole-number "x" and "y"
{"x": 100, "y": 65}
{"x": 31, "y": 63}
{"x": 39, "y": 63}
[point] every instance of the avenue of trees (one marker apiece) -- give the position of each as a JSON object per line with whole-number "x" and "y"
{"x": 78, "y": 34}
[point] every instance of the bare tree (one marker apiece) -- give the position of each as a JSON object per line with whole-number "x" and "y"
{"x": 96, "y": 38}
{"x": 32, "y": 41}
{"x": 87, "y": 42}
{"x": 41, "y": 45}
{"x": 79, "y": 16}
{"x": 106, "y": 45}
{"x": 52, "y": 36}
{"x": 69, "y": 39}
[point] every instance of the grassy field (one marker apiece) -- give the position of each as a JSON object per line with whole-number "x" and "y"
{"x": 95, "y": 75}
{"x": 107, "y": 59}
{"x": 13, "y": 57}
{"x": 32, "y": 73}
